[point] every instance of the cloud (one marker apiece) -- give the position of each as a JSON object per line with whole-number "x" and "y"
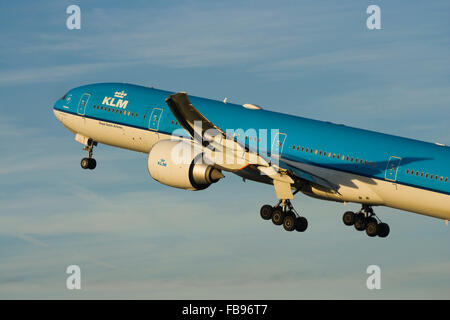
{"x": 135, "y": 238}
{"x": 54, "y": 73}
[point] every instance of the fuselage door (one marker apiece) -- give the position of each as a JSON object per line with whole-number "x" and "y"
{"x": 392, "y": 168}
{"x": 83, "y": 103}
{"x": 155, "y": 117}
{"x": 278, "y": 143}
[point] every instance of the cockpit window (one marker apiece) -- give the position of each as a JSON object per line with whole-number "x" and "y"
{"x": 64, "y": 97}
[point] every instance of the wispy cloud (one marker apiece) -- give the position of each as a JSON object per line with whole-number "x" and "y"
{"x": 135, "y": 238}
{"x": 54, "y": 73}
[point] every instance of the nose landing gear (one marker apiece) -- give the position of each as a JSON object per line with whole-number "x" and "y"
{"x": 283, "y": 213}
{"x": 89, "y": 162}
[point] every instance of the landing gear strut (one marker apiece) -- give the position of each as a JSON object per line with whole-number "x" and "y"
{"x": 365, "y": 219}
{"x": 89, "y": 162}
{"x": 283, "y": 213}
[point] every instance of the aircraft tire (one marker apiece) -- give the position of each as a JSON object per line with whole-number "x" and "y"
{"x": 383, "y": 230}
{"x": 85, "y": 163}
{"x": 360, "y": 223}
{"x": 289, "y": 223}
{"x": 266, "y": 212}
{"x": 92, "y": 163}
{"x": 278, "y": 217}
{"x": 348, "y": 218}
{"x": 301, "y": 224}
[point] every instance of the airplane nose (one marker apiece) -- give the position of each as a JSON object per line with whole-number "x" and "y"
{"x": 58, "y": 115}
{"x": 58, "y": 106}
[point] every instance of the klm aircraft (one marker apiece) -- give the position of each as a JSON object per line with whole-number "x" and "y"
{"x": 192, "y": 141}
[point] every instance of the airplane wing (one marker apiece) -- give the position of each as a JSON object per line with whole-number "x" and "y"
{"x": 234, "y": 156}
{"x": 308, "y": 176}
{"x": 219, "y": 145}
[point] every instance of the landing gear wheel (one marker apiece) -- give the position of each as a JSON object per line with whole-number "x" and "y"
{"x": 92, "y": 163}
{"x": 289, "y": 223}
{"x": 89, "y": 162}
{"x": 348, "y": 218}
{"x": 372, "y": 228}
{"x": 266, "y": 212}
{"x": 360, "y": 223}
{"x": 301, "y": 224}
{"x": 383, "y": 230}
{"x": 85, "y": 163}
{"x": 278, "y": 217}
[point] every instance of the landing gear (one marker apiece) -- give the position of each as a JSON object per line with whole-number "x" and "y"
{"x": 365, "y": 219}
{"x": 89, "y": 162}
{"x": 283, "y": 213}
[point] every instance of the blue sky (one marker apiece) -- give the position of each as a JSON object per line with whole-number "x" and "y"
{"x": 134, "y": 238}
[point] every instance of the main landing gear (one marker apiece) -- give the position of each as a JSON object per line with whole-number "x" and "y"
{"x": 89, "y": 162}
{"x": 365, "y": 219}
{"x": 284, "y": 214}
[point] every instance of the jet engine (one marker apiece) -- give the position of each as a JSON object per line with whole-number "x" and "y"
{"x": 180, "y": 164}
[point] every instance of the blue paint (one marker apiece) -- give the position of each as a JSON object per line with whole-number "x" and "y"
{"x": 379, "y": 156}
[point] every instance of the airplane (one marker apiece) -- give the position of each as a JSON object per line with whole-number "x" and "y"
{"x": 191, "y": 141}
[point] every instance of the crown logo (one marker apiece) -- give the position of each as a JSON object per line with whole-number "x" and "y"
{"x": 120, "y": 94}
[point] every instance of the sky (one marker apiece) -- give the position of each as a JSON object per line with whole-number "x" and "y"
{"x": 136, "y": 239}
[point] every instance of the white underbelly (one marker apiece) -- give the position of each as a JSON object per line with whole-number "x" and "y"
{"x": 116, "y": 135}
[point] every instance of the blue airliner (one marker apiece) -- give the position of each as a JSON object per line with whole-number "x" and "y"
{"x": 192, "y": 141}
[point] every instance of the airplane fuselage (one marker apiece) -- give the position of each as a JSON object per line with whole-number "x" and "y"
{"x": 368, "y": 167}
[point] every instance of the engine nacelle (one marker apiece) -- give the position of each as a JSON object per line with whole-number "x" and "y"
{"x": 179, "y": 164}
